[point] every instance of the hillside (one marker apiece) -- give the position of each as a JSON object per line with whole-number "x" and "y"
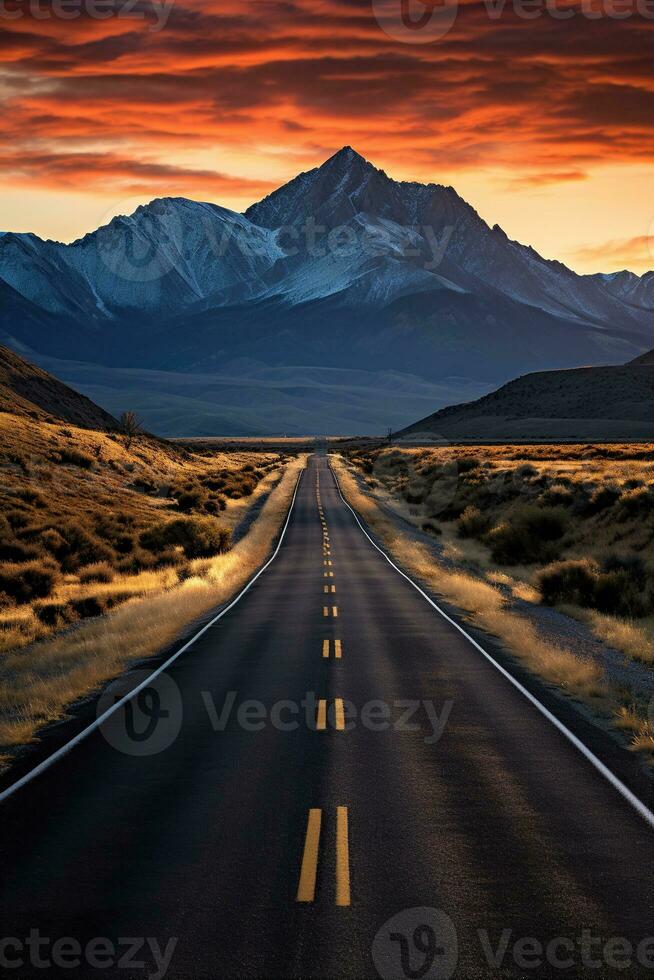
{"x": 644, "y": 359}
{"x": 26, "y": 390}
{"x": 342, "y": 303}
{"x": 584, "y": 403}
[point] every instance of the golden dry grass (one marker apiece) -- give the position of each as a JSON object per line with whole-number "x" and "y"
{"x": 625, "y": 635}
{"x": 40, "y": 681}
{"x": 604, "y": 495}
{"x": 483, "y": 602}
{"x": 640, "y": 729}
{"x": 111, "y": 495}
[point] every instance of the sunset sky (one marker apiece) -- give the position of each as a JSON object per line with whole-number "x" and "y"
{"x": 545, "y": 125}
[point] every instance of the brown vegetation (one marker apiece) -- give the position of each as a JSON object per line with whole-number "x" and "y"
{"x": 37, "y": 683}
{"x": 90, "y": 519}
{"x": 571, "y": 526}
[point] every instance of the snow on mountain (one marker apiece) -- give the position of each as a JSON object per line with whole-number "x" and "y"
{"x": 342, "y": 267}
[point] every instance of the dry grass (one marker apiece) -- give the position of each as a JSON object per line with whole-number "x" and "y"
{"x": 483, "y": 602}
{"x": 641, "y": 730}
{"x": 39, "y": 682}
{"x": 625, "y": 635}
{"x": 520, "y": 510}
{"x": 94, "y": 511}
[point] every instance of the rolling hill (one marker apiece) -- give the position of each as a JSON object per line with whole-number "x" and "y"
{"x": 26, "y": 390}
{"x": 585, "y": 403}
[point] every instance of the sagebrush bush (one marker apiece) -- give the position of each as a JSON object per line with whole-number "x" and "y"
{"x": 198, "y": 537}
{"x": 55, "y": 614}
{"x": 635, "y": 503}
{"x": 35, "y": 580}
{"x": 81, "y": 546}
{"x": 530, "y": 535}
{"x": 190, "y": 500}
{"x": 472, "y": 523}
{"x": 601, "y": 499}
{"x": 620, "y": 588}
{"x": 99, "y": 571}
{"x": 568, "y": 581}
{"x": 75, "y": 457}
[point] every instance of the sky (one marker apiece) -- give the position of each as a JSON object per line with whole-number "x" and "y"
{"x": 539, "y": 112}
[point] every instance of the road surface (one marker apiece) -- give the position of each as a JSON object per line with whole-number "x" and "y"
{"x": 282, "y": 840}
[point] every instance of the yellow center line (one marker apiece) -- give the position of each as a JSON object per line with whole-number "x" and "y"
{"x": 306, "y": 891}
{"x": 337, "y": 649}
{"x": 321, "y": 720}
{"x": 342, "y": 857}
{"x": 339, "y": 715}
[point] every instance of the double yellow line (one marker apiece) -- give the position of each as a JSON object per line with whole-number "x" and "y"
{"x": 339, "y": 715}
{"x": 306, "y": 891}
{"x": 309, "y": 870}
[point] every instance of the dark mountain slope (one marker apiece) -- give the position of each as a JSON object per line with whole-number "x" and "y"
{"x": 28, "y": 391}
{"x": 585, "y": 403}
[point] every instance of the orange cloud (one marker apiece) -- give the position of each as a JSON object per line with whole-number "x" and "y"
{"x": 283, "y": 83}
{"x": 631, "y": 253}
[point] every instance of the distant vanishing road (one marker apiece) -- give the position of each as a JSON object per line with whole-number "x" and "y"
{"x": 449, "y": 829}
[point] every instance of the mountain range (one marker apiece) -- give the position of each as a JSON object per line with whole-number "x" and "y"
{"x": 343, "y": 302}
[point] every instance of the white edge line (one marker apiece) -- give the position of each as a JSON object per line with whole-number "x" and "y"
{"x": 65, "y": 749}
{"x": 623, "y": 790}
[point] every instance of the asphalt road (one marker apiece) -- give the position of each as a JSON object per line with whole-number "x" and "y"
{"x": 274, "y": 844}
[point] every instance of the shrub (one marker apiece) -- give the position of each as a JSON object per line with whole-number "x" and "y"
{"x": 214, "y": 482}
{"x": 23, "y": 583}
{"x": 472, "y": 523}
{"x": 81, "y": 547}
{"x": 530, "y": 536}
{"x": 568, "y": 581}
{"x": 215, "y": 505}
{"x": 32, "y": 497}
{"x": 90, "y": 606}
{"x": 635, "y": 503}
{"x": 619, "y": 589}
{"x": 74, "y": 457}
{"x": 191, "y": 500}
{"x": 100, "y": 571}
{"x": 17, "y": 551}
{"x": 199, "y": 537}
{"x": 558, "y": 495}
{"x": 52, "y": 541}
{"x": 601, "y": 499}
{"x": 526, "y": 471}
{"x": 56, "y": 614}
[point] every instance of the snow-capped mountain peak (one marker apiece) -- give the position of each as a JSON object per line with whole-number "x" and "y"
{"x": 413, "y": 264}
